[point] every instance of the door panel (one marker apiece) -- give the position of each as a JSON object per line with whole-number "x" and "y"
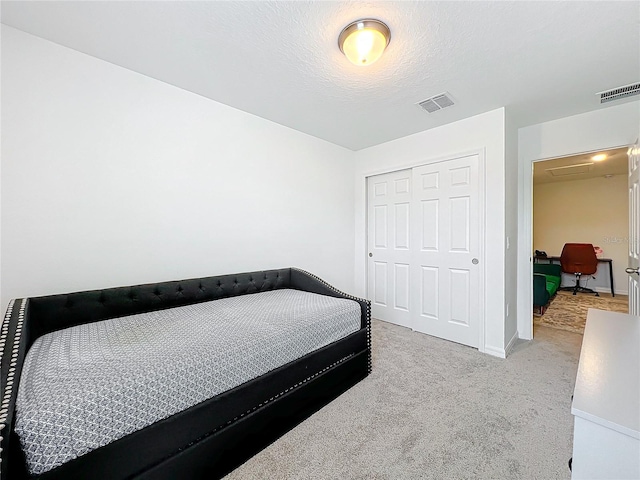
{"x": 402, "y": 226}
{"x": 447, "y": 241}
{"x": 459, "y": 296}
{"x": 389, "y": 226}
{"x": 430, "y": 180}
{"x": 634, "y": 229}
{"x": 429, "y": 225}
{"x": 401, "y": 282}
{"x": 402, "y": 185}
{"x": 380, "y": 226}
{"x": 380, "y": 284}
{"x": 459, "y": 224}
{"x": 429, "y": 292}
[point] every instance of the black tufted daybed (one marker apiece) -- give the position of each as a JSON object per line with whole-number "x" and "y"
{"x": 128, "y": 353}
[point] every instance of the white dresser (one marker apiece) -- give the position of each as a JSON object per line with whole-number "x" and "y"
{"x": 606, "y": 401}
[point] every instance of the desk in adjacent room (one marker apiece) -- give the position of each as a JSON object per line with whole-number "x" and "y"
{"x": 552, "y": 259}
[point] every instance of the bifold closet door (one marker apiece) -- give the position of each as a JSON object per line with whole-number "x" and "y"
{"x": 389, "y": 255}
{"x": 446, "y": 250}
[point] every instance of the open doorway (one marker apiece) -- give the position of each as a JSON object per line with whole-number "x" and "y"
{"x": 580, "y": 199}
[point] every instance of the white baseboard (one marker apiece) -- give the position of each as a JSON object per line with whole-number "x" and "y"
{"x": 502, "y": 352}
{"x": 511, "y": 343}
{"x": 608, "y": 290}
{"x": 495, "y": 351}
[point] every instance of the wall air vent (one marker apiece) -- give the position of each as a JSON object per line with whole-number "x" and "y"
{"x": 436, "y": 103}
{"x": 569, "y": 170}
{"x": 620, "y": 92}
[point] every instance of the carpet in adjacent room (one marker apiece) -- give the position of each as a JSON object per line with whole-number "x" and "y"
{"x": 433, "y": 409}
{"x": 569, "y": 312}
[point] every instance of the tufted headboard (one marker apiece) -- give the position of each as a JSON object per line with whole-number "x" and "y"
{"x": 55, "y": 312}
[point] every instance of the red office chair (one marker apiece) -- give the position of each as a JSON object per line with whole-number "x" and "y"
{"x": 579, "y": 259}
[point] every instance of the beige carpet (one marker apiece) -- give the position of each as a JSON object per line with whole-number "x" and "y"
{"x": 433, "y": 409}
{"x": 569, "y": 312}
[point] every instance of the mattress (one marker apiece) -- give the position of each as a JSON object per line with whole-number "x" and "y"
{"x": 86, "y": 386}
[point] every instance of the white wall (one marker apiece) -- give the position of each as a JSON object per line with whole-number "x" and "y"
{"x": 113, "y": 178}
{"x": 511, "y": 231}
{"x": 600, "y": 129}
{"x": 483, "y": 132}
{"x": 2, "y": 304}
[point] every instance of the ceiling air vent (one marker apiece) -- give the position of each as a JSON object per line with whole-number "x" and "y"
{"x": 620, "y": 92}
{"x": 436, "y": 103}
{"x": 569, "y": 170}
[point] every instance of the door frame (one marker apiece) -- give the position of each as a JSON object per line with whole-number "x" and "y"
{"x": 483, "y": 227}
{"x": 525, "y": 240}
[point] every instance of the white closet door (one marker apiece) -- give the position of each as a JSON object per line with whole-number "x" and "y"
{"x": 389, "y": 214}
{"x": 446, "y": 241}
{"x": 424, "y": 262}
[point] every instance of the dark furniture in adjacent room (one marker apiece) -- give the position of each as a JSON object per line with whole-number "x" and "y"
{"x": 555, "y": 259}
{"x": 579, "y": 259}
{"x": 212, "y": 437}
{"x": 546, "y": 281}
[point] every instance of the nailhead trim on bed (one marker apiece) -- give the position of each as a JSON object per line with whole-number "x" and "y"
{"x": 271, "y": 399}
{"x": 8, "y": 388}
{"x": 351, "y": 297}
{"x": 369, "y": 363}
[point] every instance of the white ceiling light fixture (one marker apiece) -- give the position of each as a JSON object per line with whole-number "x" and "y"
{"x": 363, "y": 41}
{"x": 600, "y": 157}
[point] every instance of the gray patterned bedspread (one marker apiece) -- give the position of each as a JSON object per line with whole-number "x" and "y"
{"x": 88, "y": 385}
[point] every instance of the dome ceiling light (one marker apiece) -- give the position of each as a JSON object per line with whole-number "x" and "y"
{"x": 363, "y": 41}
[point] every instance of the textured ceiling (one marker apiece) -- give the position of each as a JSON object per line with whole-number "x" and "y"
{"x": 280, "y": 60}
{"x": 615, "y": 164}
